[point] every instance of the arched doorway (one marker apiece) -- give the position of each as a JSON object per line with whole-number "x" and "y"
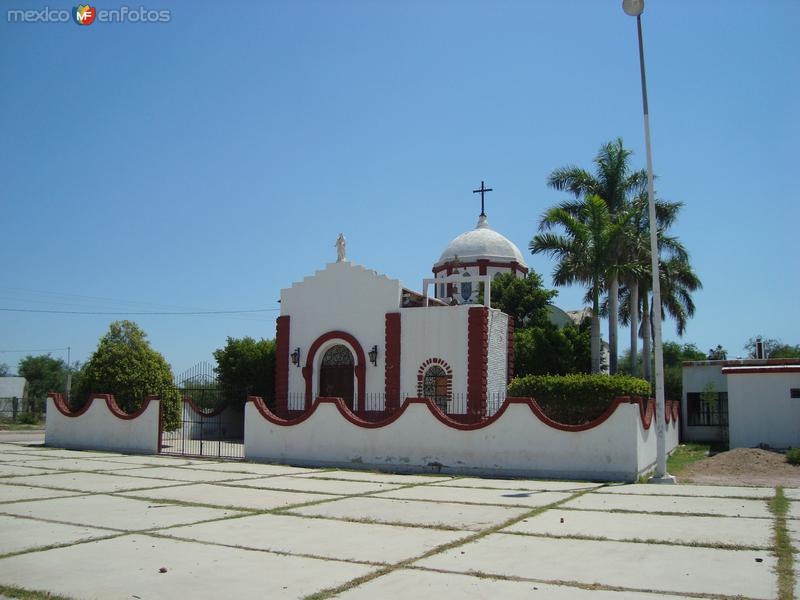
{"x": 336, "y": 374}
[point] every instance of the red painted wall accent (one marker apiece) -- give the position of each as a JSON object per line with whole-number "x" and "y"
{"x": 482, "y": 263}
{"x": 510, "y": 351}
{"x": 392, "y": 361}
{"x": 360, "y": 368}
{"x": 282, "y": 363}
{"x": 421, "y": 376}
{"x": 477, "y": 360}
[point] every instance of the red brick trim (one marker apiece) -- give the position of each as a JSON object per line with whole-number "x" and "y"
{"x": 510, "y": 350}
{"x": 421, "y": 375}
{"x": 61, "y": 405}
{"x": 477, "y": 360}
{"x": 360, "y": 368}
{"x": 392, "y": 355}
{"x": 646, "y": 412}
{"x": 751, "y": 370}
{"x": 482, "y": 264}
{"x": 282, "y": 329}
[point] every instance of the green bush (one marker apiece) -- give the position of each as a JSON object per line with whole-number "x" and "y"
{"x": 793, "y": 456}
{"x": 29, "y": 418}
{"x": 577, "y": 398}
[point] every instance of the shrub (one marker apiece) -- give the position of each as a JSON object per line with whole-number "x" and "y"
{"x": 577, "y": 398}
{"x": 29, "y": 418}
{"x": 793, "y": 456}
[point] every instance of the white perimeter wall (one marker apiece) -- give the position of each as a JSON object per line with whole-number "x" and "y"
{"x": 433, "y": 332}
{"x": 761, "y": 411}
{"x": 695, "y": 379}
{"x": 517, "y": 444}
{"x": 100, "y": 429}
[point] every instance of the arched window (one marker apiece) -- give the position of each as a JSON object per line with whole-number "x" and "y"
{"x": 434, "y": 386}
{"x": 338, "y": 356}
{"x": 466, "y": 288}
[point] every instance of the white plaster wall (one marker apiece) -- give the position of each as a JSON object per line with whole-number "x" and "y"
{"x": 517, "y": 444}
{"x": 695, "y": 379}
{"x": 497, "y": 367}
{"x": 433, "y": 332}
{"x": 648, "y": 447}
{"x": 344, "y": 297}
{"x": 760, "y": 410}
{"x": 99, "y": 429}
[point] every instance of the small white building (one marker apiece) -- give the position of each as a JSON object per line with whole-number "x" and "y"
{"x": 746, "y": 402}
{"x": 349, "y": 332}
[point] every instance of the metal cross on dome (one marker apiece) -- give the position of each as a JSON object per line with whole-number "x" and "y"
{"x": 482, "y": 190}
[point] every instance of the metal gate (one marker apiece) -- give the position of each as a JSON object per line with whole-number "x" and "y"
{"x": 211, "y": 420}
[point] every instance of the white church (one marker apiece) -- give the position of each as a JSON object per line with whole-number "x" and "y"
{"x": 373, "y": 338}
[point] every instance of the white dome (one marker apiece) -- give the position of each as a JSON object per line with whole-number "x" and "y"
{"x": 481, "y": 243}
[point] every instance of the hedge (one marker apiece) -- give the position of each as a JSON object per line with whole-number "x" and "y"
{"x": 577, "y": 398}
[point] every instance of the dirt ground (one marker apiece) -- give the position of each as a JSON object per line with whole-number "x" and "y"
{"x": 744, "y": 466}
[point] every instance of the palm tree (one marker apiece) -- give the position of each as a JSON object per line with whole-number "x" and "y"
{"x": 614, "y": 182}
{"x": 582, "y": 252}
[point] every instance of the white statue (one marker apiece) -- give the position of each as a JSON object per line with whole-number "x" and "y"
{"x": 340, "y": 248}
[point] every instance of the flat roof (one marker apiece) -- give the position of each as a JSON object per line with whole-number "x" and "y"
{"x": 743, "y": 362}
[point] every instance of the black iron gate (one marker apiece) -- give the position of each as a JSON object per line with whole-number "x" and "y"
{"x": 211, "y": 422}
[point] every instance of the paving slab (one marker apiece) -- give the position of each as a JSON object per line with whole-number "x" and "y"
{"x": 26, "y": 534}
{"x": 324, "y": 486}
{"x": 729, "y": 507}
{"x": 13, "y": 470}
{"x": 89, "y": 482}
{"x": 127, "y": 514}
{"x": 14, "y": 457}
{"x": 793, "y": 526}
{"x": 531, "y": 499}
{"x": 228, "y": 496}
{"x": 76, "y": 464}
{"x": 370, "y": 476}
{"x": 794, "y": 510}
{"x": 733, "y": 531}
{"x": 414, "y": 512}
{"x": 128, "y": 566}
{"x": 655, "y": 567}
{"x": 183, "y": 474}
{"x": 792, "y": 493}
{"x": 256, "y": 468}
{"x": 150, "y": 460}
{"x": 718, "y": 491}
{"x": 59, "y": 453}
{"x": 12, "y": 493}
{"x": 520, "y": 484}
{"x": 369, "y": 542}
{"x": 415, "y": 583}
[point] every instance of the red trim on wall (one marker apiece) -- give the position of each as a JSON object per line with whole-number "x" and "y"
{"x": 392, "y": 353}
{"x": 61, "y": 405}
{"x": 477, "y": 360}
{"x": 646, "y": 411}
{"x": 421, "y": 376}
{"x": 282, "y": 329}
{"x": 360, "y": 368}
{"x": 482, "y": 263}
{"x": 751, "y": 370}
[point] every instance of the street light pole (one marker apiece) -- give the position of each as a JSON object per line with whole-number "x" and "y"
{"x": 635, "y": 8}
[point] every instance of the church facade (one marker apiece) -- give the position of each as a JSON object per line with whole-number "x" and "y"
{"x": 374, "y": 342}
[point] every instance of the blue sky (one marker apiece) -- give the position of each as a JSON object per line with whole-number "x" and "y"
{"x": 207, "y": 162}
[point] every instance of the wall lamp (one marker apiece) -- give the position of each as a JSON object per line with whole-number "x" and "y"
{"x": 296, "y": 357}
{"x": 373, "y": 356}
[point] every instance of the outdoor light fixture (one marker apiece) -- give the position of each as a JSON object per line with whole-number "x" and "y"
{"x": 373, "y": 356}
{"x": 634, "y": 8}
{"x": 296, "y": 357}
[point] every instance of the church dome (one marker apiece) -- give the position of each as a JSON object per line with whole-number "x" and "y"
{"x": 483, "y": 242}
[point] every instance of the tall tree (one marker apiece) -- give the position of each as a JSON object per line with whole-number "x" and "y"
{"x": 124, "y": 364}
{"x": 614, "y": 182}
{"x": 582, "y": 252}
{"x": 44, "y": 374}
{"x": 246, "y": 366}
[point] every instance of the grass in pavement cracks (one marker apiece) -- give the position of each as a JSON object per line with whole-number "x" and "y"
{"x": 779, "y": 506}
{"x": 330, "y": 593}
{"x": 24, "y": 594}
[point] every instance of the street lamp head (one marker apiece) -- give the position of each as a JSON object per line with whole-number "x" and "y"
{"x": 633, "y": 7}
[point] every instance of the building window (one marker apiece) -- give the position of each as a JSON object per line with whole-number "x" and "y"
{"x": 794, "y": 393}
{"x": 434, "y": 386}
{"x": 707, "y": 414}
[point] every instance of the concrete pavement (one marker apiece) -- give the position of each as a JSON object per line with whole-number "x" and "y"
{"x": 104, "y": 525}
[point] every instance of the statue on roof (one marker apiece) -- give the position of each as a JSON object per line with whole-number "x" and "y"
{"x": 340, "y": 248}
